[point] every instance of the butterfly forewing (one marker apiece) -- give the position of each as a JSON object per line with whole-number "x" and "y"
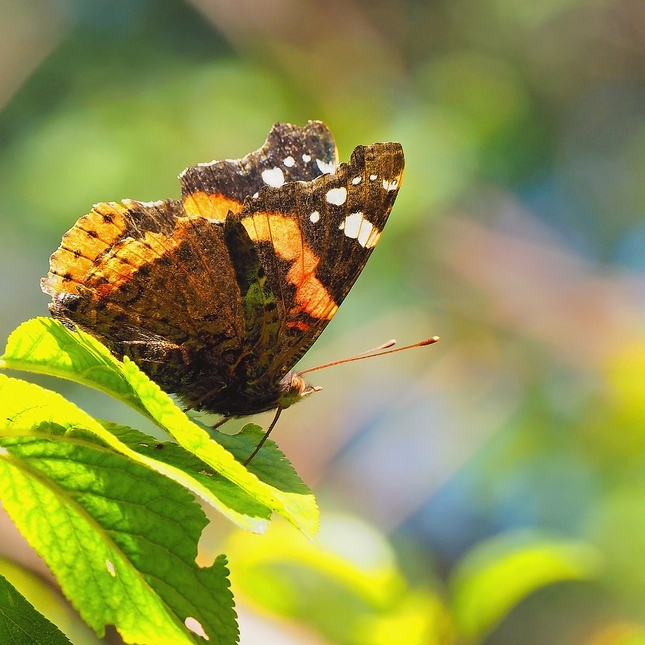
{"x": 217, "y": 296}
{"x": 289, "y": 154}
{"x": 314, "y": 239}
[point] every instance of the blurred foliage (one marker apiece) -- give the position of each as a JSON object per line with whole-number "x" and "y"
{"x": 518, "y": 237}
{"x": 349, "y": 587}
{"x": 499, "y": 573}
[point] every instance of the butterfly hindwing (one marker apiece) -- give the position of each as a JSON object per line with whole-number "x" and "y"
{"x": 174, "y": 328}
{"x": 261, "y": 315}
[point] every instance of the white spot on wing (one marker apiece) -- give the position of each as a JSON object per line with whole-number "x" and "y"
{"x": 326, "y": 168}
{"x": 390, "y": 185}
{"x": 273, "y": 177}
{"x": 356, "y": 227}
{"x": 373, "y": 177}
{"x": 109, "y": 565}
{"x": 306, "y": 158}
{"x": 357, "y": 180}
{"x": 289, "y": 161}
{"x": 336, "y": 196}
{"x": 373, "y": 239}
{"x": 4, "y": 452}
{"x": 365, "y": 232}
{"x": 314, "y": 217}
{"x": 148, "y": 204}
{"x": 256, "y": 195}
{"x": 352, "y": 224}
{"x": 196, "y": 627}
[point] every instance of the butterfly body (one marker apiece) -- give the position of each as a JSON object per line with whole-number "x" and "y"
{"x": 217, "y": 296}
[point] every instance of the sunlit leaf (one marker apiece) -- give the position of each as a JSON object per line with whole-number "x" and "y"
{"x": 53, "y": 415}
{"x": 347, "y": 587}
{"x": 419, "y": 618}
{"x": 290, "y": 497}
{"x": 21, "y": 624}
{"x": 498, "y": 574}
{"x": 121, "y": 538}
{"x": 48, "y": 601}
{"x": 185, "y": 468}
{"x": 45, "y": 346}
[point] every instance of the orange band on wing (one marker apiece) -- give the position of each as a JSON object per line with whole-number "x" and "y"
{"x": 88, "y": 239}
{"x": 284, "y": 234}
{"x": 211, "y": 206}
{"x": 126, "y": 258}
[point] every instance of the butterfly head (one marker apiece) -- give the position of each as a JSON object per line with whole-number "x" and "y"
{"x": 294, "y": 388}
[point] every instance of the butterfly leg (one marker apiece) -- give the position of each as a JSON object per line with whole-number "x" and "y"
{"x": 278, "y": 412}
{"x": 221, "y": 422}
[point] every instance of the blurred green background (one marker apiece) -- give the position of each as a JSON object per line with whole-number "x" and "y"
{"x": 518, "y": 237}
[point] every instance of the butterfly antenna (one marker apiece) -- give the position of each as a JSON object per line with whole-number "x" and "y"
{"x": 370, "y": 353}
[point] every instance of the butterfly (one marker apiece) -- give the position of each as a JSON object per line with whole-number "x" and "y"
{"x": 218, "y": 295}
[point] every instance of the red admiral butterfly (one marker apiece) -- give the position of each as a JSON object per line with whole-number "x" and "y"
{"x": 217, "y": 296}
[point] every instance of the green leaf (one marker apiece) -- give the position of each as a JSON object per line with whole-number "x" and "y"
{"x": 21, "y": 624}
{"x": 499, "y": 573}
{"x": 45, "y": 346}
{"x": 289, "y": 498}
{"x": 24, "y": 418}
{"x": 121, "y": 539}
{"x": 418, "y": 618}
{"x": 190, "y": 471}
{"x": 348, "y": 587}
{"x": 260, "y": 559}
{"x": 270, "y": 464}
{"x": 48, "y": 601}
